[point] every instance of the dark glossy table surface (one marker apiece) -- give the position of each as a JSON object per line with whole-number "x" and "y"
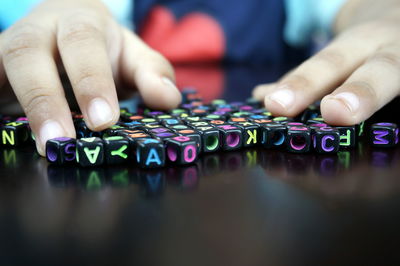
{"x": 251, "y": 207}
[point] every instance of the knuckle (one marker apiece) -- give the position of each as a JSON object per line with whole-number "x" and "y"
{"x": 85, "y": 80}
{"x": 331, "y": 59}
{"x": 22, "y": 39}
{"x": 90, "y": 83}
{"x": 365, "y": 87}
{"x": 36, "y": 98}
{"x": 83, "y": 27}
{"x": 387, "y": 58}
{"x": 298, "y": 81}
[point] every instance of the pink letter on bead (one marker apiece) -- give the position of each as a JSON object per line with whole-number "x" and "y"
{"x": 189, "y": 156}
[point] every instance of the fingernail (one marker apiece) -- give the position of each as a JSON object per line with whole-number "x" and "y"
{"x": 284, "y": 97}
{"x": 349, "y": 99}
{"x": 99, "y": 112}
{"x": 169, "y": 82}
{"x": 50, "y": 129}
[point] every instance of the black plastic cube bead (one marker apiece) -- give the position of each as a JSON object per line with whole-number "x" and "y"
{"x": 90, "y": 151}
{"x": 298, "y": 139}
{"x": 231, "y": 137}
{"x": 310, "y": 113}
{"x": 116, "y": 149}
{"x": 282, "y": 119}
{"x": 155, "y": 131}
{"x": 384, "y": 134}
{"x": 181, "y": 150}
{"x": 210, "y": 138}
{"x": 164, "y": 136}
{"x": 61, "y": 150}
{"x": 83, "y": 131}
{"x": 191, "y": 133}
{"x": 273, "y": 135}
{"x": 251, "y": 133}
{"x": 315, "y": 120}
{"x": 149, "y": 153}
{"x": 14, "y": 134}
{"x": 178, "y": 127}
{"x": 197, "y": 124}
{"x": 347, "y": 136}
{"x": 171, "y": 122}
{"x": 326, "y": 140}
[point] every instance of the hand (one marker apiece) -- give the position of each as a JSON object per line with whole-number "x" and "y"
{"x": 356, "y": 74}
{"x": 96, "y": 52}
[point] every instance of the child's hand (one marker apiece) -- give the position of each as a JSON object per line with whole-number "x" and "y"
{"x": 95, "y": 51}
{"x": 358, "y": 72}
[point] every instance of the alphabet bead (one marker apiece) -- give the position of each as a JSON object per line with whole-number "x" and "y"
{"x": 210, "y": 138}
{"x": 384, "y": 134}
{"x": 61, "y": 150}
{"x": 181, "y": 150}
{"x": 326, "y": 140}
{"x": 347, "y": 136}
{"x": 116, "y": 149}
{"x": 231, "y": 137}
{"x": 251, "y": 133}
{"x": 14, "y": 134}
{"x": 273, "y": 135}
{"x": 90, "y": 151}
{"x": 298, "y": 139}
{"x": 149, "y": 153}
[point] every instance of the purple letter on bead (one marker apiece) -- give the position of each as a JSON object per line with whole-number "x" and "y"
{"x": 325, "y": 147}
{"x": 379, "y": 134}
{"x": 70, "y": 152}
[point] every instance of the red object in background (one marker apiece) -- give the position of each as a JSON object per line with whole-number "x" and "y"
{"x": 197, "y": 37}
{"x": 208, "y": 80}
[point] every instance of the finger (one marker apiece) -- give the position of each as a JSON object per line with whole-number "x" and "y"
{"x": 260, "y": 91}
{"x": 149, "y": 72}
{"x": 28, "y": 60}
{"x": 369, "y": 88}
{"x": 321, "y": 73}
{"x": 83, "y": 50}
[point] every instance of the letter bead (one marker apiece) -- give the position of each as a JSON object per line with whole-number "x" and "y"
{"x": 298, "y": 139}
{"x": 273, "y": 135}
{"x": 90, "y": 151}
{"x": 181, "y": 150}
{"x": 326, "y": 140}
{"x": 251, "y": 133}
{"x": 347, "y": 136}
{"x": 61, "y": 150}
{"x": 116, "y": 149}
{"x": 384, "y": 134}
{"x": 149, "y": 153}
{"x": 231, "y": 137}
{"x": 14, "y": 134}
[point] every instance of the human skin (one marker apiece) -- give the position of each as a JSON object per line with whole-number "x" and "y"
{"x": 355, "y": 75}
{"x": 97, "y": 54}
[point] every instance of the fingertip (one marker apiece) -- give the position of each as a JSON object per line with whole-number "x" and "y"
{"x": 174, "y": 96}
{"x": 281, "y": 102}
{"x": 101, "y": 114}
{"x": 336, "y": 112}
{"x": 158, "y": 92}
{"x": 50, "y": 129}
{"x": 260, "y": 91}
